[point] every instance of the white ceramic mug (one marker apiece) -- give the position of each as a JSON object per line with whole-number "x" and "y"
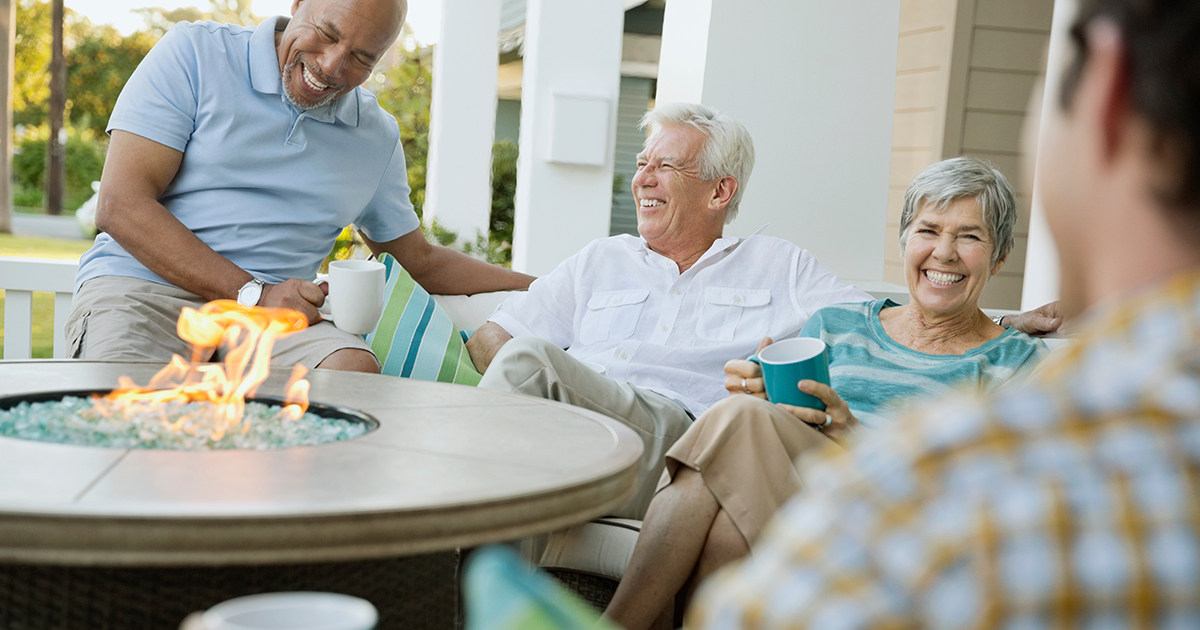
{"x": 294, "y": 611}
{"x": 355, "y": 299}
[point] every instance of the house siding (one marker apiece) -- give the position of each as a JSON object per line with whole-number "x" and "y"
{"x": 633, "y": 102}
{"x": 965, "y": 71}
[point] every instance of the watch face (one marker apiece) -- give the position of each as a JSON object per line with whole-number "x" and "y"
{"x": 249, "y": 294}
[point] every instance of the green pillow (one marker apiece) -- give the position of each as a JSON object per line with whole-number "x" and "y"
{"x": 415, "y": 338}
{"x": 501, "y": 592}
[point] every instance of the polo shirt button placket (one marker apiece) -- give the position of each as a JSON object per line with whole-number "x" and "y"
{"x": 296, "y": 136}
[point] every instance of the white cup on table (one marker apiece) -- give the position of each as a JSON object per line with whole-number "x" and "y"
{"x": 356, "y": 295}
{"x": 293, "y": 611}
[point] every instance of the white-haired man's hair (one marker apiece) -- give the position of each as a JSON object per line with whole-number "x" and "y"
{"x": 728, "y": 149}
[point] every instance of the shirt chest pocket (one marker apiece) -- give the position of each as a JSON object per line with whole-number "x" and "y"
{"x": 612, "y": 315}
{"x": 729, "y": 314}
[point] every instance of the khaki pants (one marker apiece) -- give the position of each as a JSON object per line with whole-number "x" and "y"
{"x": 536, "y": 367}
{"x": 115, "y": 318}
{"x": 746, "y": 450}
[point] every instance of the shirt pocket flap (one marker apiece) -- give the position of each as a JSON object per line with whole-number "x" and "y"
{"x": 737, "y": 297}
{"x": 612, "y": 299}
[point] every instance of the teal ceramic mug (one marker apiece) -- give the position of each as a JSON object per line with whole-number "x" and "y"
{"x": 786, "y": 363}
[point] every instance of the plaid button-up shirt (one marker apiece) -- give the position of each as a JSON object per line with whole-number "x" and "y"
{"x": 1069, "y": 500}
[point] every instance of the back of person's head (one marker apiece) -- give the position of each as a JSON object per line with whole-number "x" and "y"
{"x": 964, "y": 178}
{"x": 1162, "y": 47}
{"x": 728, "y": 149}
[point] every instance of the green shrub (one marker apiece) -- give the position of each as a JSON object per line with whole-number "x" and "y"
{"x": 504, "y": 189}
{"x": 84, "y": 164}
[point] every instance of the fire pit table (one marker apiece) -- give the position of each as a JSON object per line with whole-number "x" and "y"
{"x": 95, "y": 537}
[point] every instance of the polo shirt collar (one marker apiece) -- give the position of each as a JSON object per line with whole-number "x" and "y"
{"x": 264, "y": 75}
{"x": 264, "y": 60}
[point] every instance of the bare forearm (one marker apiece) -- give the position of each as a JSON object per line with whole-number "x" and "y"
{"x": 484, "y": 343}
{"x": 443, "y": 271}
{"x": 449, "y": 272}
{"x": 155, "y": 238}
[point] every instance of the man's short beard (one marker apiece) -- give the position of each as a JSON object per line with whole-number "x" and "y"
{"x": 287, "y": 89}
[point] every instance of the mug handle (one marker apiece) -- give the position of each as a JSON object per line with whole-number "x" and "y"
{"x": 326, "y": 309}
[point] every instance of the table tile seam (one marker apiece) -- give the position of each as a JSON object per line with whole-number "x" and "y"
{"x": 104, "y": 473}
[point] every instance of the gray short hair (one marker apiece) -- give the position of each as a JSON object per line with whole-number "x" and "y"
{"x": 958, "y": 178}
{"x": 728, "y": 149}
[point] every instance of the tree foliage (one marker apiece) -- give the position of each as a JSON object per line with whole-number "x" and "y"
{"x": 405, "y": 90}
{"x": 97, "y": 68}
{"x": 85, "y": 162}
{"x": 99, "y": 62}
{"x": 159, "y": 20}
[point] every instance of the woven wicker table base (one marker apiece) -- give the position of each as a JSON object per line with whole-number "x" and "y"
{"x": 410, "y": 592}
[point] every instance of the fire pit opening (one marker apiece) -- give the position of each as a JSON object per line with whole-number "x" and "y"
{"x": 71, "y": 417}
{"x": 195, "y": 405}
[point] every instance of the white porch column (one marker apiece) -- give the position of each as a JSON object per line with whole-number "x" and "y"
{"x": 815, "y": 83}
{"x": 1041, "y": 259}
{"x": 458, "y": 192}
{"x": 568, "y": 115}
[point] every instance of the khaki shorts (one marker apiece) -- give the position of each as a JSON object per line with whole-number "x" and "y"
{"x": 115, "y": 318}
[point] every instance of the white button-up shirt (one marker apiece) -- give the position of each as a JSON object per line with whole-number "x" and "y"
{"x": 619, "y": 304}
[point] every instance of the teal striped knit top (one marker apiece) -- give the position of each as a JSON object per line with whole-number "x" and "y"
{"x": 876, "y": 375}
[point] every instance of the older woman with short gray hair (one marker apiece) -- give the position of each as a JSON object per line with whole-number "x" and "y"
{"x": 964, "y": 178}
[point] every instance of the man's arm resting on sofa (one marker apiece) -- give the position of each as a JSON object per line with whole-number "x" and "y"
{"x": 444, "y": 271}
{"x": 484, "y": 343}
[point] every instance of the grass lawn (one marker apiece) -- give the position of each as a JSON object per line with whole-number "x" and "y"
{"x": 43, "y": 303}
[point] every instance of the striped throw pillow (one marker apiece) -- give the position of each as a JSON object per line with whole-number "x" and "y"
{"x": 415, "y": 337}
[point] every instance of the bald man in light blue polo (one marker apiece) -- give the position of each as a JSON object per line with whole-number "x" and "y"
{"x": 237, "y": 156}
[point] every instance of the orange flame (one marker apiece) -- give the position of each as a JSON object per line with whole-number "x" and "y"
{"x": 247, "y": 335}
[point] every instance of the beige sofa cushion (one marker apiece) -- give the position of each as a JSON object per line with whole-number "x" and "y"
{"x": 602, "y": 547}
{"x": 469, "y": 312}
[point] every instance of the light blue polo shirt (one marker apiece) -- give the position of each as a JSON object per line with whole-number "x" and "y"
{"x": 265, "y": 185}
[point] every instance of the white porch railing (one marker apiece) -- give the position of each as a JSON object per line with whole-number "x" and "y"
{"x": 19, "y": 278}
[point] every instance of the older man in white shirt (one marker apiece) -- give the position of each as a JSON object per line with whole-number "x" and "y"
{"x": 648, "y": 323}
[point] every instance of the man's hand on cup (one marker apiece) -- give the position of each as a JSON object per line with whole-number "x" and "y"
{"x": 298, "y": 295}
{"x": 841, "y": 423}
{"x": 745, "y": 377}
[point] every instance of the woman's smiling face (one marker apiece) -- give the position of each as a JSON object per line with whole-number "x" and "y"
{"x": 948, "y": 257}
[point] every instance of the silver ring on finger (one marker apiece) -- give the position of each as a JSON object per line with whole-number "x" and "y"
{"x": 828, "y": 421}
{"x": 744, "y": 388}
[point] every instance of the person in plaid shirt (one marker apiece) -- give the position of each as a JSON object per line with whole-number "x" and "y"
{"x": 1071, "y": 500}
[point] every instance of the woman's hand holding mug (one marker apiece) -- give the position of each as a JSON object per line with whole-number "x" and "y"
{"x": 745, "y": 377}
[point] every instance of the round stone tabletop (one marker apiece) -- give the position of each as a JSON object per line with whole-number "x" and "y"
{"x": 449, "y": 466}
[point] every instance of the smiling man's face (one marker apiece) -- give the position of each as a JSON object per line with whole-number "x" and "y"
{"x": 331, "y": 46}
{"x": 673, "y": 200}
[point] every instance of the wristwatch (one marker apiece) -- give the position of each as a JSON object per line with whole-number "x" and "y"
{"x": 250, "y": 292}
{"x": 999, "y": 319}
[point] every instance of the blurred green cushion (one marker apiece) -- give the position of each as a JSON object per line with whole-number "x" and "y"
{"x": 503, "y": 593}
